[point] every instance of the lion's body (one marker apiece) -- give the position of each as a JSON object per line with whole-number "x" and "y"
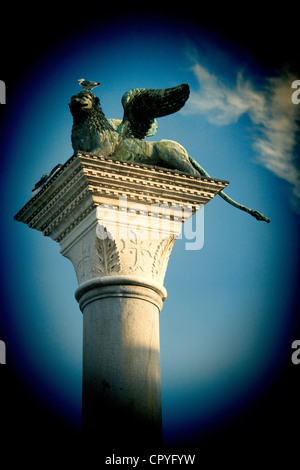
{"x": 93, "y": 133}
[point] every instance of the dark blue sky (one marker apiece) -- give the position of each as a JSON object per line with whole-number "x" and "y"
{"x": 231, "y": 313}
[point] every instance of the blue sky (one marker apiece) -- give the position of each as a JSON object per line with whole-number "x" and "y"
{"x": 229, "y": 319}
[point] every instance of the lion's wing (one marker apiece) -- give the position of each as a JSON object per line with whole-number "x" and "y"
{"x": 143, "y": 105}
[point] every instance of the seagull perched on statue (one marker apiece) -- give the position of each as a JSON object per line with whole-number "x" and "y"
{"x": 88, "y": 84}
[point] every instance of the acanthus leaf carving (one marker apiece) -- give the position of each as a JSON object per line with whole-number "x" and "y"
{"x": 161, "y": 258}
{"x": 107, "y": 258}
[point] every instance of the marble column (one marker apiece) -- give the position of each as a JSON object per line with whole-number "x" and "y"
{"x": 117, "y": 222}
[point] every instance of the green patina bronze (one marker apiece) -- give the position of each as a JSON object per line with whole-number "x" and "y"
{"x": 124, "y": 140}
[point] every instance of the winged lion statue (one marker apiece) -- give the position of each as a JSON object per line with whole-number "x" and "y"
{"x": 124, "y": 139}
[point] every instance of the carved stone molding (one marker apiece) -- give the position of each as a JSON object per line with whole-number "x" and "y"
{"x": 116, "y": 218}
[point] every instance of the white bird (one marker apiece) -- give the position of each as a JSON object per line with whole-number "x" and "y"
{"x": 88, "y": 84}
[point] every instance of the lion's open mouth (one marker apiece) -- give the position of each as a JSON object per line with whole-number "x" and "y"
{"x": 80, "y": 103}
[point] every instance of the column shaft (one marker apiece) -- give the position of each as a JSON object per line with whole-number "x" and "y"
{"x": 121, "y": 361}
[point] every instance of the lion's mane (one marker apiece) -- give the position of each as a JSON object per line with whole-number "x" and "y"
{"x": 87, "y": 122}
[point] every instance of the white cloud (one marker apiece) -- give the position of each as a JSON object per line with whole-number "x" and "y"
{"x": 270, "y": 108}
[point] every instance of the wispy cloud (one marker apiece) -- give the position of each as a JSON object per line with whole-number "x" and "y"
{"x": 275, "y": 118}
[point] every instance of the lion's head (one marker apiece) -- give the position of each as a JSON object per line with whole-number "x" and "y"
{"x": 88, "y": 121}
{"x": 83, "y": 103}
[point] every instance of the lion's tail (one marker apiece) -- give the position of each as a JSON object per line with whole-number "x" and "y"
{"x": 257, "y": 215}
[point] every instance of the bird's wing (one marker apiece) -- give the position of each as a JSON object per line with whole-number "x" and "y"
{"x": 143, "y": 105}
